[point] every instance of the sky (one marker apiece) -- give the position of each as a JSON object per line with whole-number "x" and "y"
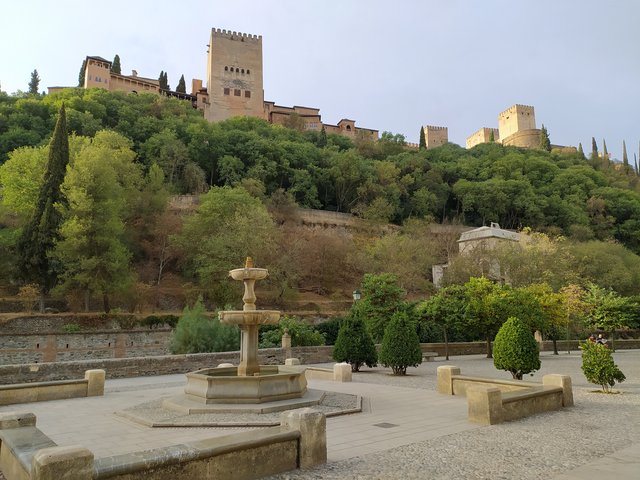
{"x": 389, "y": 65}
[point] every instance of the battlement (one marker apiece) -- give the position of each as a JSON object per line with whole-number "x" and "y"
{"x": 516, "y": 108}
{"x": 433, "y": 128}
{"x": 221, "y": 33}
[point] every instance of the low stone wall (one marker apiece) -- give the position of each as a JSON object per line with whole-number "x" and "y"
{"x": 92, "y": 385}
{"x": 299, "y": 442}
{"x": 63, "y": 347}
{"x": 158, "y": 365}
{"x": 492, "y": 401}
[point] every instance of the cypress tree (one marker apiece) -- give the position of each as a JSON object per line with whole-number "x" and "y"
{"x": 605, "y": 152}
{"x": 635, "y": 162}
{"x": 182, "y": 87}
{"x": 81, "y": 74}
{"x": 322, "y": 141}
{"x": 423, "y": 141}
{"x": 166, "y": 81}
{"x": 580, "y": 150}
{"x": 40, "y": 234}
{"x": 594, "y": 151}
{"x": 34, "y": 83}
{"x": 492, "y": 137}
{"x": 625, "y": 159}
{"x": 545, "y": 143}
{"x": 115, "y": 66}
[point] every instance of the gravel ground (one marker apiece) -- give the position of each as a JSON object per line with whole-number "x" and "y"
{"x": 538, "y": 447}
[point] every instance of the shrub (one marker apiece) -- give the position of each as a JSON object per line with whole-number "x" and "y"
{"x": 330, "y": 329}
{"x": 598, "y": 366}
{"x": 354, "y": 344}
{"x": 302, "y": 334}
{"x": 196, "y": 333}
{"x": 515, "y": 350}
{"x": 400, "y": 345}
{"x": 28, "y": 295}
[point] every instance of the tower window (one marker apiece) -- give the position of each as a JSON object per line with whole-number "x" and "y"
{"x": 226, "y": 91}
{"x": 348, "y": 127}
{"x": 248, "y": 72}
{"x": 237, "y": 69}
{"x": 242, "y": 71}
{"x": 226, "y": 69}
{"x": 236, "y": 92}
{"x": 247, "y": 94}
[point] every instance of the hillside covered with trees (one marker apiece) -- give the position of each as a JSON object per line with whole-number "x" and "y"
{"x": 129, "y": 153}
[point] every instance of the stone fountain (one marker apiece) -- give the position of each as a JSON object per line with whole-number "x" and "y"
{"x": 235, "y": 389}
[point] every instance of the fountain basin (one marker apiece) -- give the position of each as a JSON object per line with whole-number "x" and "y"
{"x": 223, "y": 385}
{"x": 248, "y": 273}
{"x": 249, "y": 317}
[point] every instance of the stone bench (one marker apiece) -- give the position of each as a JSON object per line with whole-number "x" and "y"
{"x": 92, "y": 385}
{"x": 429, "y": 356}
{"x": 493, "y": 401}
{"x": 27, "y": 453}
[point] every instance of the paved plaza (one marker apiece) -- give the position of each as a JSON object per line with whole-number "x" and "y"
{"x": 406, "y": 430}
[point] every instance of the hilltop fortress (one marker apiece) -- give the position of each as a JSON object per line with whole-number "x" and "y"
{"x": 235, "y": 88}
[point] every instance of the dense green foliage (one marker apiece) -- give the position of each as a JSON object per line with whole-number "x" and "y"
{"x": 515, "y": 350}
{"x": 381, "y": 181}
{"x": 400, "y": 346}
{"x": 589, "y": 209}
{"x": 598, "y": 366}
{"x": 302, "y": 334}
{"x": 354, "y": 344}
{"x": 197, "y": 333}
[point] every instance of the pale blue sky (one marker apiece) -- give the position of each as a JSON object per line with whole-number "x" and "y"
{"x": 389, "y": 65}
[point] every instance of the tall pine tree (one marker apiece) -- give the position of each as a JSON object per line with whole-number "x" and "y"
{"x": 81, "y": 74}
{"x": 580, "y": 150}
{"x": 625, "y": 159}
{"x": 40, "y": 234}
{"x": 594, "y": 153}
{"x": 115, "y": 66}
{"x": 182, "y": 87}
{"x": 423, "y": 141}
{"x": 34, "y": 83}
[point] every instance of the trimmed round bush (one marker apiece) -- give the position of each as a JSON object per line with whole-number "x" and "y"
{"x": 515, "y": 349}
{"x": 400, "y": 345}
{"x": 598, "y": 366}
{"x": 354, "y": 344}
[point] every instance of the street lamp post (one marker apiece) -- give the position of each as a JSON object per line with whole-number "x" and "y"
{"x": 356, "y": 295}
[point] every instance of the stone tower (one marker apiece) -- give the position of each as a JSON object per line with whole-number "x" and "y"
{"x": 435, "y": 136}
{"x": 234, "y": 76}
{"x": 516, "y": 118}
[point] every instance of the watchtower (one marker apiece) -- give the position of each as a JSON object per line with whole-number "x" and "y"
{"x": 435, "y": 136}
{"x": 234, "y": 75}
{"x": 516, "y": 119}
